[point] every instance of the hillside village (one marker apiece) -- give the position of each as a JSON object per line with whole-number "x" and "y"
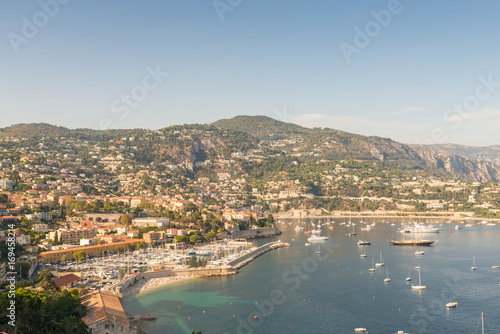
{"x": 70, "y": 195}
{"x": 51, "y": 184}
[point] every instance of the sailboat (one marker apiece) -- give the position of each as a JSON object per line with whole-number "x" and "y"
{"x": 386, "y": 280}
{"x": 481, "y": 320}
{"x": 364, "y": 252}
{"x": 353, "y": 232}
{"x": 319, "y": 250}
{"x": 412, "y": 242}
{"x": 381, "y": 263}
{"x": 372, "y": 269}
{"x": 418, "y": 286}
{"x": 408, "y": 279}
{"x": 473, "y": 264}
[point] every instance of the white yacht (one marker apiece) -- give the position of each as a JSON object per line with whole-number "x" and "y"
{"x": 314, "y": 238}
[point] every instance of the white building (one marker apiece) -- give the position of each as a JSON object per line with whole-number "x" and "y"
{"x": 23, "y": 239}
{"x": 5, "y": 184}
{"x": 41, "y": 228}
{"x": 150, "y": 222}
{"x": 88, "y": 242}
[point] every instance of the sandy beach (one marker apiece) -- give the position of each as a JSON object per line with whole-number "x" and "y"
{"x": 146, "y": 284}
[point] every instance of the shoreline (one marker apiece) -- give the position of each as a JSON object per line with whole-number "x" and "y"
{"x": 148, "y": 284}
{"x": 385, "y": 215}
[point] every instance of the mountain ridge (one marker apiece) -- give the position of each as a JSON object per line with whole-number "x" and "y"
{"x": 294, "y": 141}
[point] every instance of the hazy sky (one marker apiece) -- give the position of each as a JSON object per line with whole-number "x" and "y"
{"x": 415, "y": 71}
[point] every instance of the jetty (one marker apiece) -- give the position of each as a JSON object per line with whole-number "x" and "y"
{"x": 247, "y": 258}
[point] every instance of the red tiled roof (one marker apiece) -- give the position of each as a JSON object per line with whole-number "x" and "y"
{"x": 67, "y": 280}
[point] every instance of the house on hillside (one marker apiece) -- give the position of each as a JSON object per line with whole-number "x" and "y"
{"x": 105, "y": 313}
{"x": 67, "y": 281}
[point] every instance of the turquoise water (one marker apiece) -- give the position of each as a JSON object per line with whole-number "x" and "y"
{"x": 302, "y": 292}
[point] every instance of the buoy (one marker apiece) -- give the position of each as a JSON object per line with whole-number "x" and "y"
{"x": 234, "y": 316}
{"x": 304, "y": 299}
{"x": 317, "y": 311}
{"x": 255, "y": 317}
{"x": 400, "y": 308}
{"x": 203, "y": 311}
{"x": 189, "y": 318}
{"x": 449, "y": 231}
{"x": 373, "y": 296}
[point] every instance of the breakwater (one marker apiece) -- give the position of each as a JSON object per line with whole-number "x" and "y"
{"x": 247, "y": 258}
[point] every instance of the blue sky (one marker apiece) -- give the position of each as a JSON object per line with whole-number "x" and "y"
{"x": 89, "y": 64}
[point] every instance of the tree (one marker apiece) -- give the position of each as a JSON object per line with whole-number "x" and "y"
{"x": 126, "y": 220}
{"x": 4, "y": 198}
{"x": 195, "y": 238}
{"x": 69, "y": 201}
{"x": 22, "y": 267}
{"x": 38, "y": 312}
{"x": 210, "y": 236}
{"x": 28, "y": 309}
{"x": 180, "y": 238}
{"x": 80, "y": 255}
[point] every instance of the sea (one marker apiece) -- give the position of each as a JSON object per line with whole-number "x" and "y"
{"x": 327, "y": 288}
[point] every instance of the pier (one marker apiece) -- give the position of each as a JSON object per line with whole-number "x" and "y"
{"x": 247, "y": 258}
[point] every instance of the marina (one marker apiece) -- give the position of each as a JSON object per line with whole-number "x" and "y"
{"x": 338, "y": 290}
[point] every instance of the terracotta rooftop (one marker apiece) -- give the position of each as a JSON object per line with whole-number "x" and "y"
{"x": 102, "y": 305}
{"x": 67, "y": 280}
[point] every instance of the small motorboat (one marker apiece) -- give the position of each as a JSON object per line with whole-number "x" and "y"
{"x": 451, "y": 305}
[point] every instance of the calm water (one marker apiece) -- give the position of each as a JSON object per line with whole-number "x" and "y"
{"x": 302, "y": 292}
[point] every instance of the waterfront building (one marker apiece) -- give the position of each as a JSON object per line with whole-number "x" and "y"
{"x": 105, "y": 313}
{"x": 57, "y": 255}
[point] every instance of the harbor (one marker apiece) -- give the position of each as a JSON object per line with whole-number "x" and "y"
{"x": 339, "y": 289}
{"x": 138, "y": 282}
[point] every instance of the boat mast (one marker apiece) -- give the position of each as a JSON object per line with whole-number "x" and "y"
{"x": 411, "y": 221}
{"x": 420, "y": 227}
{"x": 402, "y": 227}
{"x": 482, "y": 322}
